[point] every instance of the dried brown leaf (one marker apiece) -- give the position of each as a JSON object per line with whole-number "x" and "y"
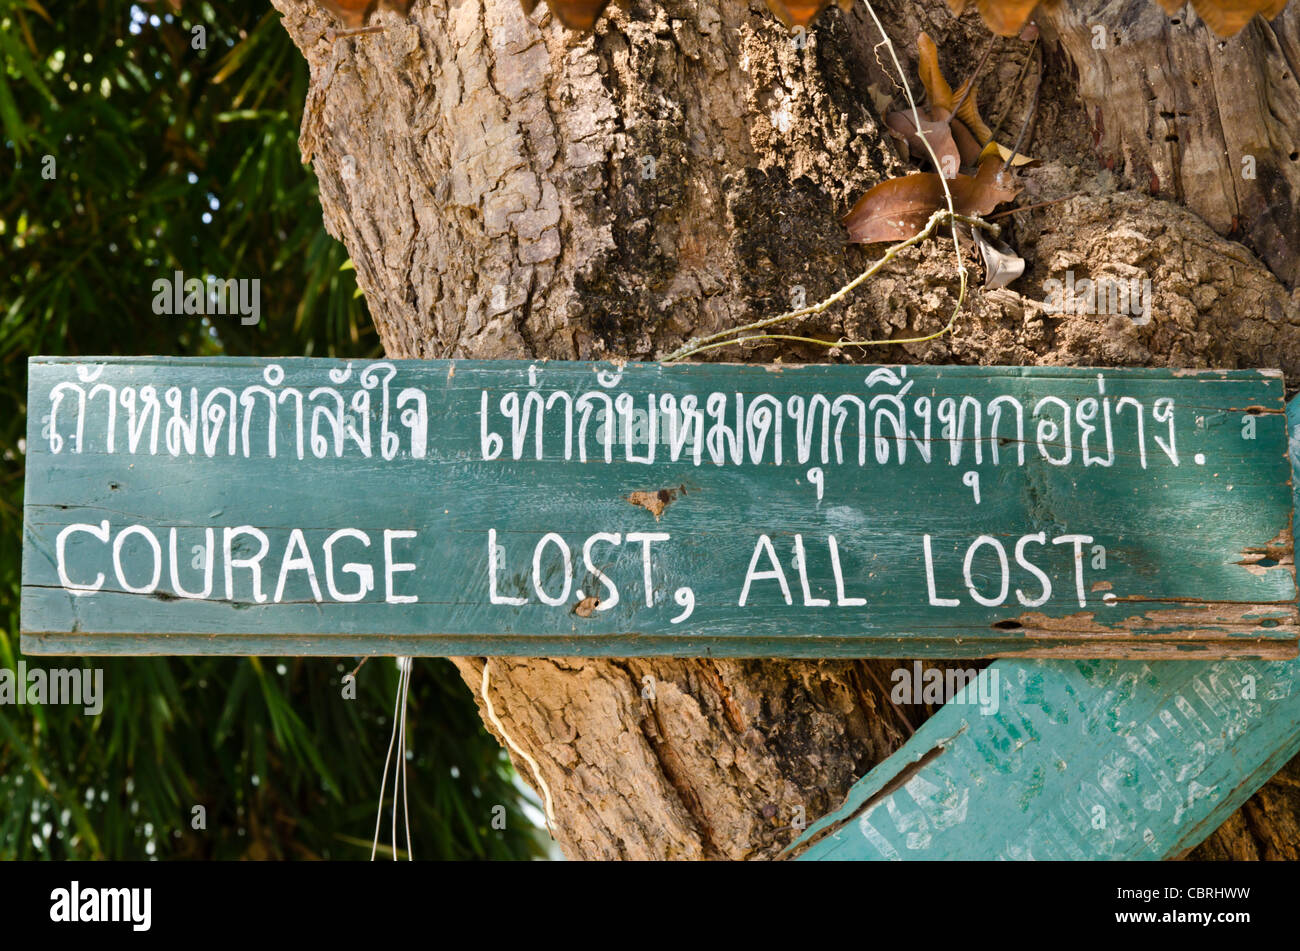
{"x": 990, "y": 187}
{"x": 797, "y": 12}
{"x": 351, "y": 12}
{"x": 1006, "y": 17}
{"x": 967, "y": 144}
{"x": 895, "y": 209}
{"x": 936, "y": 130}
{"x": 898, "y": 209}
{"x": 574, "y": 14}
{"x": 969, "y": 112}
{"x": 966, "y": 133}
{"x": 937, "y": 90}
{"x": 1224, "y": 17}
{"x": 1227, "y": 17}
{"x": 1019, "y": 160}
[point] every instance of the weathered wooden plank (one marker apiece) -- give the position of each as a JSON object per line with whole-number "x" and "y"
{"x": 1084, "y": 759}
{"x": 1020, "y": 511}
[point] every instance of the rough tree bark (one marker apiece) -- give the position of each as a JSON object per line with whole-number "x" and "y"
{"x": 507, "y": 189}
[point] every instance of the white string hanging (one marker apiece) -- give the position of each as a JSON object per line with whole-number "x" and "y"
{"x": 404, "y": 665}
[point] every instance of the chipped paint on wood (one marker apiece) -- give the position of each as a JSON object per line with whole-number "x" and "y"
{"x": 551, "y": 508}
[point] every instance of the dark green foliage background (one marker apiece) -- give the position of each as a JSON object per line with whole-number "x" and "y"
{"x": 149, "y": 136}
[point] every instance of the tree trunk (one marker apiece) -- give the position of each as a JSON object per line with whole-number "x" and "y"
{"x": 507, "y": 189}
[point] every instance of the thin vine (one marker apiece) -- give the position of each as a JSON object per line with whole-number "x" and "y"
{"x": 728, "y": 337}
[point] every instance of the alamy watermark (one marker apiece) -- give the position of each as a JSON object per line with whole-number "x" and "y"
{"x": 936, "y": 686}
{"x": 636, "y": 428}
{"x": 210, "y": 297}
{"x": 78, "y": 903}
{"x": 1129, "y": 297}
{"x": 75, "y": 686}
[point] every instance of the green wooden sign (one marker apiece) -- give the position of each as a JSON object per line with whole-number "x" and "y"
{"x": 441, "y": 508}
{"x": 1075, "y": 759}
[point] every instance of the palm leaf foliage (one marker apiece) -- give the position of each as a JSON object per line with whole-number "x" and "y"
{"x": 142, "y": 140}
